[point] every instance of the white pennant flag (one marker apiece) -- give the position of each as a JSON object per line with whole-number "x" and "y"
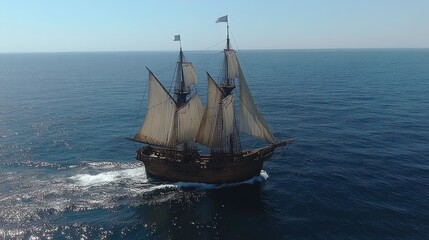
{"x": 222, "y": 19}
{"x": 176, "y": 38}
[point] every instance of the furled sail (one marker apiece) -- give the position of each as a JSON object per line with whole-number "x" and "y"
{"x": 190, "y": 77}
{"x": 207, "y": 131}
{"x": 232, "y": 63}
{"x": 158, "y": 124}
{"x": 251, "y": 120}
{"x": 188, "y": 120}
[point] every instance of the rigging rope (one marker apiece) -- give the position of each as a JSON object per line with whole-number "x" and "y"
{"x": 140, "y": 107}
{"x": 215, "y": 45}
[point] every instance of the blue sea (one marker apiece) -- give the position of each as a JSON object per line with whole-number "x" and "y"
{"x": 358, "y": 169}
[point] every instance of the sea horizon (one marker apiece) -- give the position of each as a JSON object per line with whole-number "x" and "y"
{"x": 220, "y": 49}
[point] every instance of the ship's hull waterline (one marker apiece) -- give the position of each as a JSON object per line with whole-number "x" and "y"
{"x": 176, "y": 166}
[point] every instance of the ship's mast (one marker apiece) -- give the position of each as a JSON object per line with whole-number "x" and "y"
{"x": 227, "y": 36}
{"x": 181, "y": 90}
{"x": 227, "y": 83}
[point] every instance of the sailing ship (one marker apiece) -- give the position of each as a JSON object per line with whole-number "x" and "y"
{"x": 175, "y": 127}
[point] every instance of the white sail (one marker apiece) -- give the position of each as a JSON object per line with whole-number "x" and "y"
{"x": 233, "y": 67}
{"x": 251, "y": 120}
{"x": 227, "y": 115}
{"x": 158, "y": 124}
{"x": 188, "y": 120}
{"x": 190, "y": 77}
{"x": 207, "y": 131}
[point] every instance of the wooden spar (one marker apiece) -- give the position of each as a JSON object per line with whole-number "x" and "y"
{"x": 135, "y": 140}
{"x": 282, "y": 143}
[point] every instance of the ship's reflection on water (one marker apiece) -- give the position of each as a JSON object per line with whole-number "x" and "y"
{"x": 230, "y": 212}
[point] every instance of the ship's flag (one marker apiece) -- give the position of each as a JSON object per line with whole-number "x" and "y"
{"x": 176, "y": 38}
{"x": 222, "y": 19}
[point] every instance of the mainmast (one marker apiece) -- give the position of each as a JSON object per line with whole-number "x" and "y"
{"x": 227, "y": 34}
{"x": 220, "y": 125}
{"x": 227, "y": 84}
{"x": 181, "y": 90}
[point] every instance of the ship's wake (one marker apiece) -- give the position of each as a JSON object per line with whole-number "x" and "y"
{"x": 39, "y": 189}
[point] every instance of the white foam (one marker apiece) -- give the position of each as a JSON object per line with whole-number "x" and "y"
{"x": 264, "y": 175}
{"x": 206, "y": 186}
{"x": 102, "y": 165}
{"x": 81, "y": 188}
{"x": 152, "y": 188}
{"x": 110, "y": 177}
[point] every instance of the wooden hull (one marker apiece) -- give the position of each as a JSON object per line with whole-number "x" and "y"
{"x": 177, "y": 166}
{"x": 210, "y": 169}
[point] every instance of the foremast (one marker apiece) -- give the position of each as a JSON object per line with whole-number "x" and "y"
{"x": 181, "y": 90}
{"x": 172, "y": 122}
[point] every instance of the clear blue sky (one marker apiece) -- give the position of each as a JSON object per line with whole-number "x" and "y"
{"x": 140, "y": 25}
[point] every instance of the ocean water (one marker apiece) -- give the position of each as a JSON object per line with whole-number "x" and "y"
{"x": 359, "y": 167}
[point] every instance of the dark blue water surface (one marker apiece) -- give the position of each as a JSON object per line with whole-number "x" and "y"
{"x": 358, "y": 168}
